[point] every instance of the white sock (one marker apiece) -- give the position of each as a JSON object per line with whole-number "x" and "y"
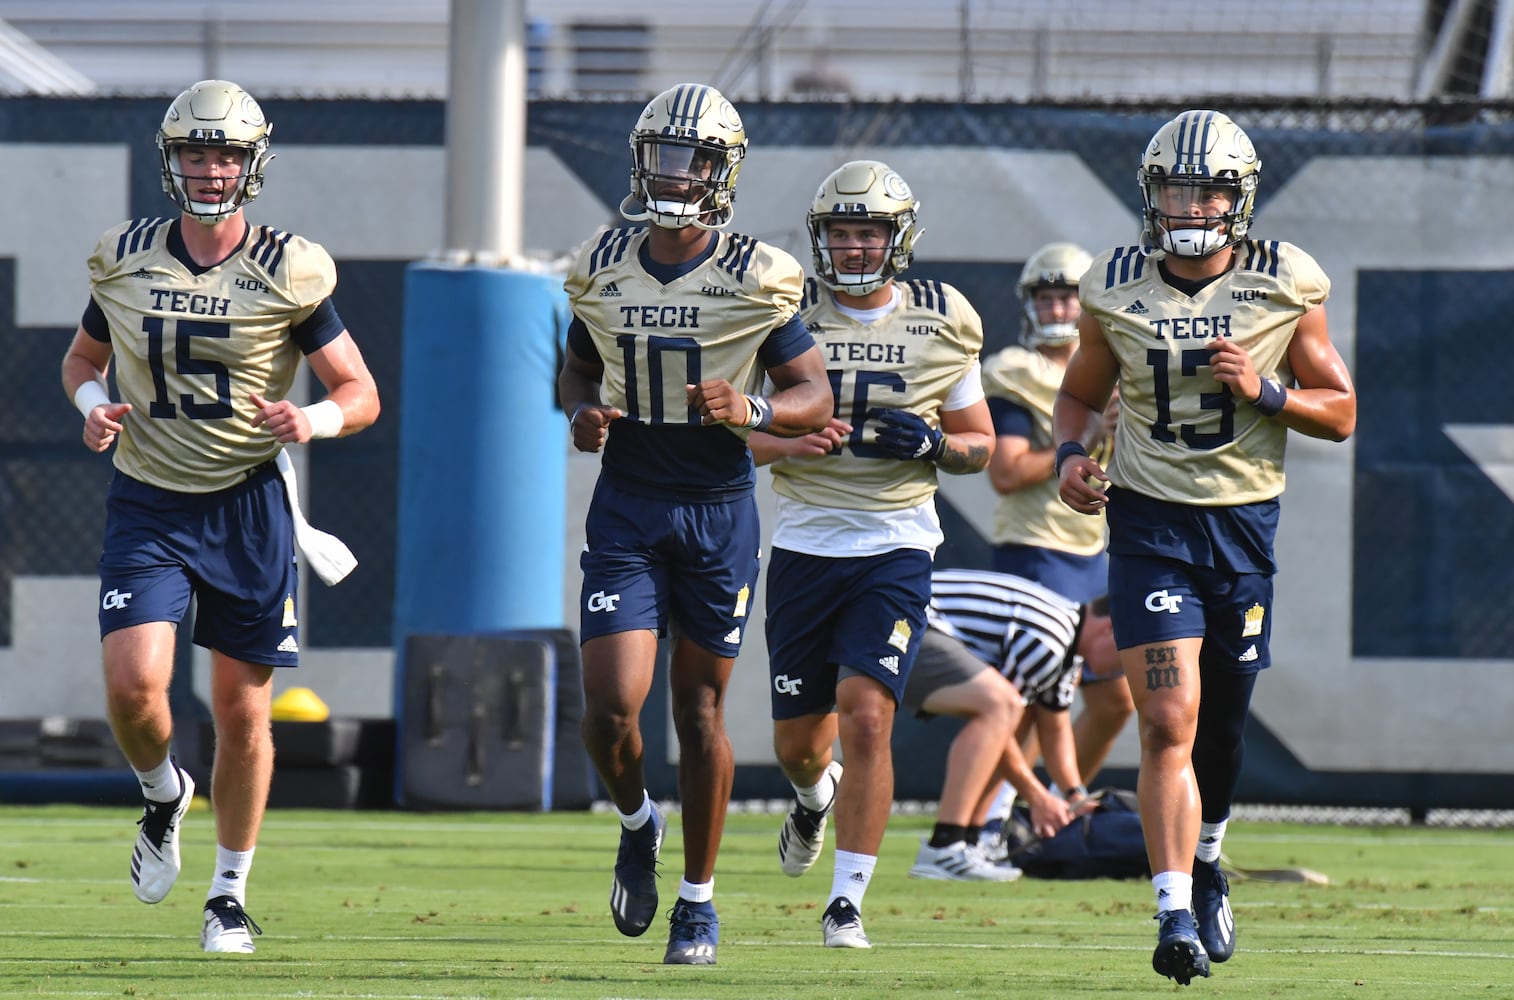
{"x": 1004, "y": 798}
{"x": 637, "y": 819}
{"x": 853, "y": 873}
{"x": 1211, "y": 835}
{"x": 161, "y": 784}
{"x": 696, "y": 892}
{"x": 819, "y": 796}
{"x": 230, "y": 878}
{"x": 1174, "y": 891}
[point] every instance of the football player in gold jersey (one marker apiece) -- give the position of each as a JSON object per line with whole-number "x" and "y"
{"x": 1036, "y": 536}
{"x": 857, "y": 528}
{"x": 674, "y": 326}
{"x": 1220, "y": 346}
{"x": 205, "y": 318}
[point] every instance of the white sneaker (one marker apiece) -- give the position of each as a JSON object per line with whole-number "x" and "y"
{"x": 803, "y": 833}
{"x": 959, "y": 862}
{"x": 226, "y": 928}
{"x": 155, "y": 856}
{"x": 842, "y": 925}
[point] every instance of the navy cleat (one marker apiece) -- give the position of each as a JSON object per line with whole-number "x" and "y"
{"x": 1180, "y": 954}
{"x": 633, "y": 895}
{"x": 693, "y": 934}
{"x": 1211, "y": 910}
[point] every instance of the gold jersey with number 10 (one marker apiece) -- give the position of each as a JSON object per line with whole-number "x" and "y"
{"x": 1184, "y": 437}
{"x": 190, "y": 349}
{"x": 709, "y": 323}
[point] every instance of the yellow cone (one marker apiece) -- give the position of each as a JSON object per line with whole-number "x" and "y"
{"x": 300, "y": 704}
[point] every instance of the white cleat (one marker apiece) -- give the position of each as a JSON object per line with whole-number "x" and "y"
{"x": 842, "y": 925}
{"x": 155, "y": 856}
{"x": 227, "y": 928}
{"x": 803, "y": 833}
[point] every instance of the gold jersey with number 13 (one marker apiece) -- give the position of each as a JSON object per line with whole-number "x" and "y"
{"x": 1184, "y": 437}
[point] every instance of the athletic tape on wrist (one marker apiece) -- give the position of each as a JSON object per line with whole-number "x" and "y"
{"x": 89, "y": 395}
{"x": 325, "y": 418}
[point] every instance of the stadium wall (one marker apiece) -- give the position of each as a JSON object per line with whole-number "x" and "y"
{"x": 1392, "y": 629}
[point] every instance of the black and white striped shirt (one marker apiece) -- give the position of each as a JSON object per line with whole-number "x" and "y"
{"x": 1027, "y": 631}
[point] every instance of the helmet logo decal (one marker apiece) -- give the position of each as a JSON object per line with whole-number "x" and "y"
{"x": 895, "y": 188}
{"x": 251, "y": 113}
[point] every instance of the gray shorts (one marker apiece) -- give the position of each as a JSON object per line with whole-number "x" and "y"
{"x": 943, "y": 660}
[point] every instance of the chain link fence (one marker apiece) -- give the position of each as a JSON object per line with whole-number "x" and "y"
{"x": 1434, "y": 292}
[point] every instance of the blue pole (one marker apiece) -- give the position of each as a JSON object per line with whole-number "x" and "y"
{"x": 483, "y": 456}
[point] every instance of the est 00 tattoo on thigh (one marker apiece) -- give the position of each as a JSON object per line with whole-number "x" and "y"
{"x": 1161, "y": 667}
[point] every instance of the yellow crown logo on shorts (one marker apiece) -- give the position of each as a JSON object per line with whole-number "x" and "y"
{"x": 899, "y": 638}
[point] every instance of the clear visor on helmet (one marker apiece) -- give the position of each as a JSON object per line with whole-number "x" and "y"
{"x": 1193, "y": 215}
{"x": 678, "y": 177}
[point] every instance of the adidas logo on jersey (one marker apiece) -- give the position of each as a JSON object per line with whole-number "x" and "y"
{"x": 140, "y": 272}
{"x": 289, "y": 645}
{"x": 889, "y": 663}
{"x": 1136, "y": 308}
{"x": 733, "y": 636}
{"x": 610, "y": 291}
{"x": 1249, "y": 655}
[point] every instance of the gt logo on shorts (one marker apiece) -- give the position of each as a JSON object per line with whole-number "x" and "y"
{"x": 783, "y": 685}
{"x": 1160, "y": 600}
{"x": 600, "y": 601}
{"x": 114, "y": 601}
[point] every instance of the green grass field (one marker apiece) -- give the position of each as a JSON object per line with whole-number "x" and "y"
{"x": 404, "y": 906}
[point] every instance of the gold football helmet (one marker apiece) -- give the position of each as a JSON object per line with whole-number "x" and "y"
{"x": 1056, "y": 265}
{"x": 859, "y": 191}
{"x": 686, "y": 150}
{"x": 1198, "y": 185}
{"x": 217, "y": 114}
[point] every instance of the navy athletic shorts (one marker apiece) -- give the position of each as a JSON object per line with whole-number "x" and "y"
{"x": 232, "y": 550}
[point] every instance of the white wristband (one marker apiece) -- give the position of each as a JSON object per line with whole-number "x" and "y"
{"x": 89, "y": 395}
{"x": 326, "y": 419}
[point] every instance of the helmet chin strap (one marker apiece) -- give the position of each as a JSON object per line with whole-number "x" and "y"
{"x": 1194, "y": 242}
{"x": 673, "y": 214}
{"x": 667, "y": 214}
{"x": 1052, "y": 334}
{"x": 858, "y": 284}
{"x": 209, "y": 215}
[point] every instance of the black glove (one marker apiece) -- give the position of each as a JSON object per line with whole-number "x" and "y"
{"x": 905, "y": 435}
